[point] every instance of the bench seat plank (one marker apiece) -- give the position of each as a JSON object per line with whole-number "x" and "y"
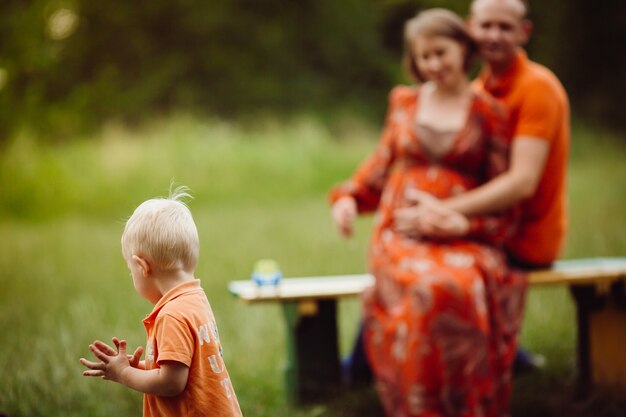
{"x": 291, "y": 289}
{"x": 571, "y": 272}
{"x": 581, "y": 271}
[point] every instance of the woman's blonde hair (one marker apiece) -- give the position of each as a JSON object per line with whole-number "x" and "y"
{"x": 435, "y": 22}
{"x": 163, "y": 230}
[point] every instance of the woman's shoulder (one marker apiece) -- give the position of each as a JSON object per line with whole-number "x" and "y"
{"x": 486, "y": 103}
{"x": 403, "y": 94}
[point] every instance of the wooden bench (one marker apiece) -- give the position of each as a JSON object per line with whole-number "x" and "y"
{"x": 310, "y": 305}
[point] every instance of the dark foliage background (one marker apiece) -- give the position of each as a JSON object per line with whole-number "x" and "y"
{"x": 131, "y": 60}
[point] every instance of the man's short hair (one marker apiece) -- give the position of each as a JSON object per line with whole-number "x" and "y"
{"x": 523, "y": 3}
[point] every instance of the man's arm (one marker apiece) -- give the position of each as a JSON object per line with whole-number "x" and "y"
{"x": 519, "y": 182}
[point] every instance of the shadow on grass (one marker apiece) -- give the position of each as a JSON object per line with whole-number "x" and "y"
{"x": 361, "y": 401}
{"x": 538, "y": 394}
{"x": 543, "y": 395}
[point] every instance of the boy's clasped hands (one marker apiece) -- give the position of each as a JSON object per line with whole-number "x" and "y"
{"x": 113, "y": 362}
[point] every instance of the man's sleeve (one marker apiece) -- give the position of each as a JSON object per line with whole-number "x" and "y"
{"x": 539, "y": 115}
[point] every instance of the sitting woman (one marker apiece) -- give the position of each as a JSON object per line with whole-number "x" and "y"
{"x": 441, "y": 321}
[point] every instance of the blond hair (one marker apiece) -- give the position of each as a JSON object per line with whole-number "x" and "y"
{"x": 435, "y": 22}
{"x": 163, "y": 230}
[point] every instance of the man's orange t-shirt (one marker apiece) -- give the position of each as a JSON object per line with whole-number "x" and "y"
{"x": 182, "y": 328}
{"x": 538, "y": 107}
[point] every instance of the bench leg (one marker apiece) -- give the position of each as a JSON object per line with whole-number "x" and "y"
{"x": 312, "y": 373}
{"x": 586, "y": 301}
{"x": 601, "y": 317}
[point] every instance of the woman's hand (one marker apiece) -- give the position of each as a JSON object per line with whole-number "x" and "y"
{"x": 429, "y": 217}
{"x": 344, "y": 212}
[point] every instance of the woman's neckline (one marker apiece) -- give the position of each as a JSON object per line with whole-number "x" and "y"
{"x": 438, "y": 130}
{"x": 428, "y": 90}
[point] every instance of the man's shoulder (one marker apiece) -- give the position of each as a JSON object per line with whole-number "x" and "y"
{"x": 538, "y": 77}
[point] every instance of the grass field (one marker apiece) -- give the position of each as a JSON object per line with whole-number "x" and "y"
{"x": 259, "y": 192}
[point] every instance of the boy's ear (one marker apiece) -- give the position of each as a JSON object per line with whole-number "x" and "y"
{"x": 143, "y": 264}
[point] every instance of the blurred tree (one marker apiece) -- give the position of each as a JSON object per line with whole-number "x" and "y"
{"x": 594, "y": 58}
{"x": 71, "y": 64}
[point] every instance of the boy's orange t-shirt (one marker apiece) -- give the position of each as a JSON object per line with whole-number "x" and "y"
{"x": 538, "y": 106}
{"x": 182, "y": 328}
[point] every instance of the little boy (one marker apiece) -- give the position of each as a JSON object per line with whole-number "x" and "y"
{"x": 183, "y": 373}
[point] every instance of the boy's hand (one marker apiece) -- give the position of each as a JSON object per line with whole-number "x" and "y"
{"x": 134, "y": 359}
{"x": 115, "y": 365}
{"x": 112, "y": 363}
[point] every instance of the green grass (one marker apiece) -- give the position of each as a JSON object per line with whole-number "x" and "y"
{"x": 260, "y": 192}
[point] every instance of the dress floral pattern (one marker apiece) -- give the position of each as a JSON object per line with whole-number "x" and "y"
{"x": 441, "y": 321}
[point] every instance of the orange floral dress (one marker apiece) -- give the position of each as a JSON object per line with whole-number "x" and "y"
{"x": 441, "y": 321}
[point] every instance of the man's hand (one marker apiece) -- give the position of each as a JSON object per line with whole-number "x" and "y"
{"x": 344, "y": 212}
{"x": 429, "y": 217}
{"x": 113, "y": 363}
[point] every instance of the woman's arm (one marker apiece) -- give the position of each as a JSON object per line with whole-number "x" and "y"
{"x": 368, "y": 180}
{"x": 362, "y": 192}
